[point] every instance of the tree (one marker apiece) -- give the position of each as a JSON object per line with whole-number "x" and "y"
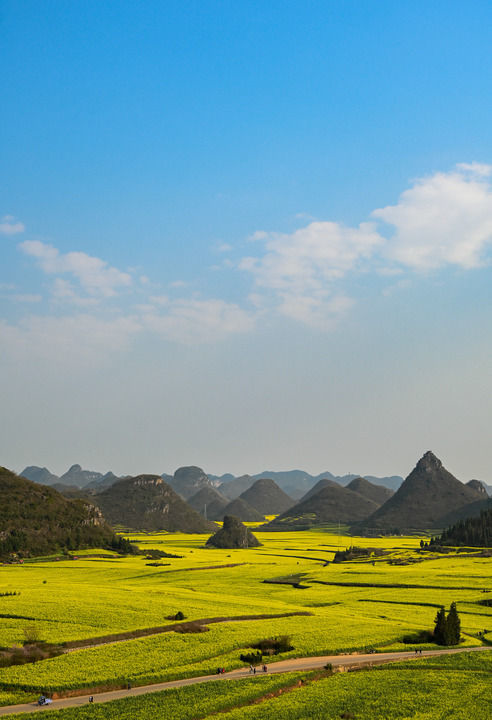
{"x": 453, "y": 626}
{"x": 440, "y": 627}
{"x": 447, "y": 628}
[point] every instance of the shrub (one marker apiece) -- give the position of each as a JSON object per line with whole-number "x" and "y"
{"x": 251, "y": 658}
{"x": 275, "y": 645}
{"x": 422, "y": 636}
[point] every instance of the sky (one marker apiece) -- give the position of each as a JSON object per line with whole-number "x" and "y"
{"x": 246, "y": 235}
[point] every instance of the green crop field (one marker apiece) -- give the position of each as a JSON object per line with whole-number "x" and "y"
{"x": 356, "y": 605}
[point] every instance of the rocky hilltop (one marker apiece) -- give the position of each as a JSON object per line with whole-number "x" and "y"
{"x": 76, "y": 476}
{"x": 39, "y": 475}
{"x": 478, "y": 486}
{"x": 187, "y": 481}
{"x": 427, "y": 498}
{"x": 233, "y": 534}
{"x": 146, "y": 502}
{"x": 36, "y": 520}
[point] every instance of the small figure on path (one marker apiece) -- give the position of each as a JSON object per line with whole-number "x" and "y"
{"x": 251, "y": 668}
{"x": 91, "y": 698}
{"x": 129, "y": 686}
{"x": 265, "y": 668}
{"x": 254, "y": 671}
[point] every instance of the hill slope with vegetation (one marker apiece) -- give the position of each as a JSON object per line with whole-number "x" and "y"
{"x": 241, "y": 509}
{"x": 332, "y": 504}
{"x": 233, "y": 534}
{"x": 266, "y": 497}
{"x": 377, "y": 493}
{"x": 146, "y": 502}
{"x": 472, "y": 532}
{"x": 209, "y": 503}
{"x": 37, "y": 520}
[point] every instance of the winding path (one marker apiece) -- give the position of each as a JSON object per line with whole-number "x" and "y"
{"x": 293, "y": 665}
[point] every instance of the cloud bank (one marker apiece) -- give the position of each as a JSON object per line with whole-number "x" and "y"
{"x": 442, "y": 221}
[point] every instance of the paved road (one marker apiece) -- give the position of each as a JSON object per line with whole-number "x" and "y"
{"x": 292, "y": 665}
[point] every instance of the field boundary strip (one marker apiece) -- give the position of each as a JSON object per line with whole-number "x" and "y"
{"x": 173, "y": 627}
{"x": 405, "y": 586}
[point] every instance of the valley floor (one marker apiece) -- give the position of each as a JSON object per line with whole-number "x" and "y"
{"x": 356, "y": 606}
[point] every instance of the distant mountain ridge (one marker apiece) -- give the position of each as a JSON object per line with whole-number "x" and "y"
{"x": 187, "y": 480}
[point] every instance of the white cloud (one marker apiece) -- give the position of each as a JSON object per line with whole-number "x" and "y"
{"x": 444, "y": 219}
{"x": 8, "y": 226}
{"x": 159, "y": 299}
{"x": 318, "y": 311}
{"x": 95, "y": 276}
{"x": 64, "y": 291}
{"x": 300, "y": 269}
{"x": 311, "y": 256}
{"x": 476, "y": 168}
{"x": 223, "y": 247}
{"x": 199, "y": 321}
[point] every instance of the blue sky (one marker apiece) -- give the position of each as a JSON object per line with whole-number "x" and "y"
{"x": 246, "y": 235}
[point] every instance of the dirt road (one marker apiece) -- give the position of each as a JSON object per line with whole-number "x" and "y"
{"x": 292, "y": 665}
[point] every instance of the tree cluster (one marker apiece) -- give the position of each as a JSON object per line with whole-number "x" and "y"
{"x": 472, "y": 532}
{"x": 447, "y": 630}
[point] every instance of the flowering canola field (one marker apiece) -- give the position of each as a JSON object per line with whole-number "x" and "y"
{"x": 356, "y": 605}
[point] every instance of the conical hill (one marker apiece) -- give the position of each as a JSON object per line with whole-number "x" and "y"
{"x": 209, "y": 503}
{"x": 426, "y": 498}
{"x": 146, "y": 502}
{"x": 320, "y": 485}
{"x": 332, "y": 504}
{"x": 377, "y": 493}
{"x": 233, "y": 488}
{"x": 233, "y": 534}
{"x": 241, "y": 509}
{"x": 266, "y": 497}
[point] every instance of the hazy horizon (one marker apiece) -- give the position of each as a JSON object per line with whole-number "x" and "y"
{"x": 246, "y": 236}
